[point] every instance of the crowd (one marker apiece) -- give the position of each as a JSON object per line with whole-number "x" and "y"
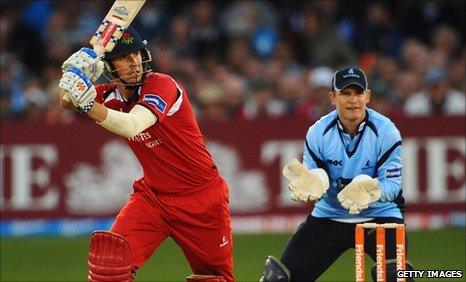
{"x": 250, "y": 59}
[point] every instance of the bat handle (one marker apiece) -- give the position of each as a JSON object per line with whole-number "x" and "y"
{"x": 99, "y": 50}
{"x": 65, "y": 100}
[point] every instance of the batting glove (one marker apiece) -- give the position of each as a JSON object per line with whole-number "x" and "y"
{"x": 81, "y": 90}
{"x": 305, "y": 185}
{"x": 86, "y": 60}
{"x": 359, "y": 193}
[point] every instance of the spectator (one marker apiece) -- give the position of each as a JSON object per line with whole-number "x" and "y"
{"x": 324, "y": 47}
{"x": 380, "y": 33}
{"x": 232, "y": 45}
{"x": 317, "y": 103}
{"x": 406, "y": 83}
{"x": 205, "y": 33}
{"x": 239, "y": 52}
{"x": 437, "y": 98}
{"x": 261, "y": 102}
{"x": 291, "y": 88}
{"x": 457, "y": 72}
{"x": 445, "y": 39}
{"x": 241, "y": 18}
{"x": 415, "y": 56}
{"x": 210, "y": 100}
{"x": 180, "y": 40}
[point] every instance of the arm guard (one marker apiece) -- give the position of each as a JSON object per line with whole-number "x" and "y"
{"x": 129, "y": 124}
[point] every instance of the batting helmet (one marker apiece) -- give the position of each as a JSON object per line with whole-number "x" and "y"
{"x": 130, "y": 42}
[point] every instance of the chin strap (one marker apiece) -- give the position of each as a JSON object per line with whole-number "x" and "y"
{"x": 135, "y": 96}
{"x": 133, "y": 86}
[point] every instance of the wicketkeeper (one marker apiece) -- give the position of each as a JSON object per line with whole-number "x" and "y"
{"x": 351, "y": 170}
{"x": 181, "y": 194}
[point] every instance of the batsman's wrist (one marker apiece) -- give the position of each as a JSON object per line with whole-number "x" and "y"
{"x": 86, "y": 108}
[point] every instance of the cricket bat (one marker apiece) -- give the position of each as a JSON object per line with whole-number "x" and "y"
{"x": 118, "y": 18}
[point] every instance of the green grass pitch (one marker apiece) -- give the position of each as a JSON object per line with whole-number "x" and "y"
{"x": 64, "y": 259}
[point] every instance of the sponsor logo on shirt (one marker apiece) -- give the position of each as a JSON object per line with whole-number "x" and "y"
{"x": 147, "y": 139}
{"x": 393, "y": 172}
{"x": 143, "y": 136}
{"x": 334, "y": 162}
{"x": 155, "y": 101}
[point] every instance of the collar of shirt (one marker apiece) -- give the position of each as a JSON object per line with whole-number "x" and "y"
{"x": 351, "y": 142}
{"x": 342, "y": 129}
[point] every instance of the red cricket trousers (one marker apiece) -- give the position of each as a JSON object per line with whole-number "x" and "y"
{"x": 199, "y": 223}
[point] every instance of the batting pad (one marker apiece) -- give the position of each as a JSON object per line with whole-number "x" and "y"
{"x": 109, "y": 258}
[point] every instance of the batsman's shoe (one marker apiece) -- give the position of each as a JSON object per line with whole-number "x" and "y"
{"x": 359, "y": 193}
{"x": 275, "y": 271}
{"x": 305, "y": 185}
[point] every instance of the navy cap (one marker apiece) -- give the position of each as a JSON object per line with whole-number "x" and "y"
{"x": 129, "y": 42}
{"x": 349, "y": 76}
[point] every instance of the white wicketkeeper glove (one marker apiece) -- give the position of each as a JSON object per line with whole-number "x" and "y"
{"x": 81, "y": 90}
{"x": 86, "y": 60}
{"x": 305, "y": 185}
{"x": 359, "y": 193}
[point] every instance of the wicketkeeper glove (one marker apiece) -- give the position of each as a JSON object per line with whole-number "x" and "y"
{"x": 81, "y": 90}
{"x": 359, "y": 193}
{"x": 305, "y": 185}
{"x": 86, "y": 60}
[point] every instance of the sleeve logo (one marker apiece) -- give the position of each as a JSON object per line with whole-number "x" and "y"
{"x": 155, "y": 101}
{"x": 393, "y": 172}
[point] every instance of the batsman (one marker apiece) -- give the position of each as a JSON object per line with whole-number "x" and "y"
{"x": 181, "y": 193}
{"x": 351, "y": 171}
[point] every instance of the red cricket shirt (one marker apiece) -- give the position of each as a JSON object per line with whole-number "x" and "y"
{"x": 172, "y": 152}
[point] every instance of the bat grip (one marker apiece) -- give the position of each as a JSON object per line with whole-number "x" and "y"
{"x": 65, "y": 100}
{"x": 99, "y": 50}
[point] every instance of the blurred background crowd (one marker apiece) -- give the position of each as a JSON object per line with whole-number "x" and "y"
{"x": 250, "y": 59}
